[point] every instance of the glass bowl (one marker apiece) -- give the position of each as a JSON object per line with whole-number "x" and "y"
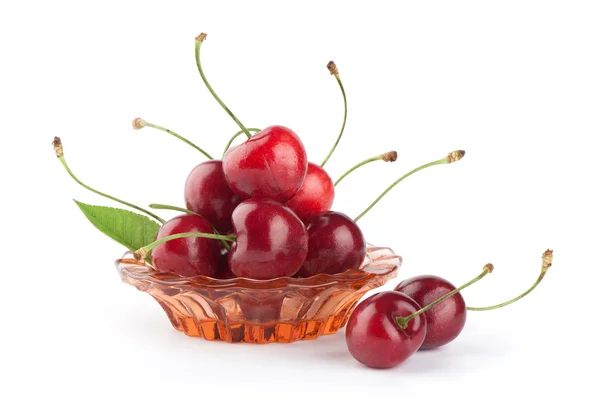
{"x": 280, "y": 310}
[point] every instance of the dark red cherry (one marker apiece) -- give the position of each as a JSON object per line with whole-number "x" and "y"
{"x": 373, "y": 336}
{"x": 224, "y": 272}
{"x": 190, "y": 256}
{"x": 208, "y": 194}
{"x": 271, "y": 240}
{"x": 316, "y": 194}
{"x": 445, "y": 320}
{"x": 272, "y": 164}
{"x": 335, "y": 244}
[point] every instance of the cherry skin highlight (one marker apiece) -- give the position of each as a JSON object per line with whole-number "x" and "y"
{"x": 445, "y": 320}
{"x": 188, "y": 257}
{"x": 316, "y": 194}
{"x": 373, "y": 336}
{"x": 335, "y": 244}
{"x": 207, "y": 193}
{"x": 272, "y": 164}
{"x": 271, "y": 240}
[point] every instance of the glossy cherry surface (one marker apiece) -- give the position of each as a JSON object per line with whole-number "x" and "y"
{"x": 189, "y": 256}
{"x": 271, "y": 240}
{"x": 445, "y": 320}
{"x": 335, "y": 244}
{"x": 316, "y": 194}
{"x": 373, "y": 336}
{"x": 208, "y": 194}
{"x": 272, "y": 164}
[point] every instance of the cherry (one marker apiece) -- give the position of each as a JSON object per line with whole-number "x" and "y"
{"x": 315, "y": 195}
{"x": 388, "y": 327}
{"x": 188, "y": 257}
{"x": 373, "y": 336}
{"x": 446, "y": 320}
{"x": 335, "y": 244}
{"x": 272, "y": 164}
{"x": 207, "y": 193}
{"x": 271, "y": 241}
{"x": 225, "y": 272}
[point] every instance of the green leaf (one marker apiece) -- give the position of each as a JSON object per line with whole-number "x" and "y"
{"x": 125, "y": 227}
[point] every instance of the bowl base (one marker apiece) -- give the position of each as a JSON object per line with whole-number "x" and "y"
{"x": 260, "y": 333}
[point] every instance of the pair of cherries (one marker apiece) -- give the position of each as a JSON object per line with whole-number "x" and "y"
{"x": 273, "y": 204}
{"x": 421, "y": 313}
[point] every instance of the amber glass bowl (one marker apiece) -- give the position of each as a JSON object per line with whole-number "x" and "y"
{"x": 261, "y": 311}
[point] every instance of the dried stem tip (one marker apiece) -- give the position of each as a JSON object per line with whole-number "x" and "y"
{"x": 390, "y": 156}
{"x": 489, "y": 267}
{"x": 546, "y": 260}
{"x": 140, "y": 255}
{"x": 139, "y": 123}
{"x": 332, "y": 68}
{"x": 201, "y": 37}
{"x": 455, "y": 155}
{"x": 58, "y": 147}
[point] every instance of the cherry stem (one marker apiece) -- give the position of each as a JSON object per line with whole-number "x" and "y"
{"x": 390, "y": 156}
{"x": 142, "y": 253}
{"x": 170, "y": 207}
{"x": 546, "y": 264}
{"x": 184, "y": 210}
{"x": 403, "y": 321}
{"x": 139, "y": 123}
{"x": 256, "y": 130}
{"x": 199, "y": 41}
{"x": 334, "y": 72}
{"x": 58, "y": 148}
{"x": 450, "y": 158}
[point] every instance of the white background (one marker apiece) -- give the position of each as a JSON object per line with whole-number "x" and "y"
{"x": 514, "y": 83}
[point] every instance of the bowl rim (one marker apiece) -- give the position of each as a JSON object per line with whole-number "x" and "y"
{"x": 378, "y": 262}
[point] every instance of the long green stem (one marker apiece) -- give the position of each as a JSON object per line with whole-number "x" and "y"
{"x": 139, "y": 123}
{"x": 199, "y": 41}
{"x": 546, "y": 263}
{"x": 256, "y": 130}
{"x": 403, "y": 321}
{"x": 390, "y": 156}
{"x": 142, "y": 253}
{"x": 334, "y": 71}
{"x": 58, "y": 148}
{"x": 450, "y": 158}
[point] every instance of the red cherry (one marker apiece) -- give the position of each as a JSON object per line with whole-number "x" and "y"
{"x": 373, "y": 336}
{"x": 316, "y": 194}
{"x": 207, "y": 193}
{"x": 446, "y": 320}
{"x": 191, "y": 256}
{"x": 335, "y": 244}
{"x": 271, "y": 240}
{"x": 225, "y": 272}
{"x": 272, "y": 164}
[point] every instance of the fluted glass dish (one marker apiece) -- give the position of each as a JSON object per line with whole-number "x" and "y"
{"x": 280, "y": 310}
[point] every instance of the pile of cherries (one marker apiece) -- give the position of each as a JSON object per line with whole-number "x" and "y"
{"x": 275, "y": 206}
{"x": 264, "y": 211}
